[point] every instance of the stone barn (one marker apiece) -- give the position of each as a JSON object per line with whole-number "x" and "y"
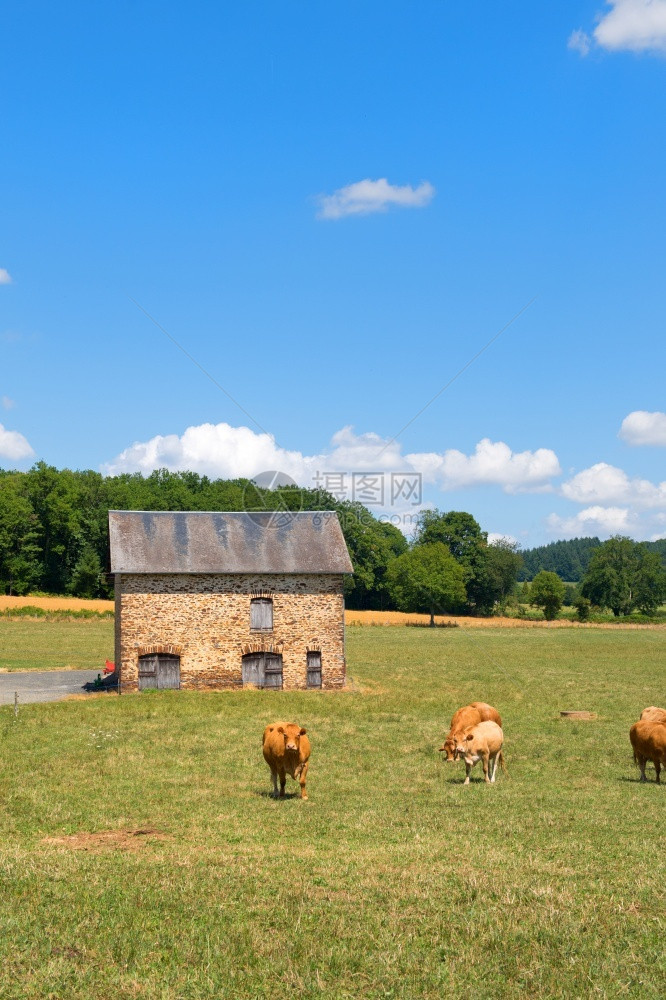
{"x": 226, "y": 600}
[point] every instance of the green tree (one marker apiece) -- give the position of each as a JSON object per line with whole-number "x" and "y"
{"x": 497, "y": 572}
{"x": 650, "y": 582}
{"x": 459, "y": 531}
{"x": 624, "y": 575}
{"x": 582, "y": 606}
{"x": 427, "y": 578}
{"x": 373, "y": 545}
{"x": 87, "y": 574}
{"x": 20, "y": 566}
{"x": 547, "y": 592}
{"x": 467, "y": 543}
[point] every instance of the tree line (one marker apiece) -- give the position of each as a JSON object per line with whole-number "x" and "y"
{"x": 570, "y": 559}
{"x": 54, "y": 537}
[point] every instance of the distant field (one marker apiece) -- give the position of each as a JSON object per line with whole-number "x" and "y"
{"x": 39, "y": 644}
{"x": 401, "y": 618}
{"x": 55, "y": 603}
{"x": 140, "y": 856}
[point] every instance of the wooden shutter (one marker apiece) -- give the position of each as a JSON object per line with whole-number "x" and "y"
{"x": 314, "y": 670}
{"x": 253, "y": 669}
{"x": 148, "y": 671}
{"x": 261, "y": 614}
{"x": 273, "y": 671}
{"x": 168, "y": 671}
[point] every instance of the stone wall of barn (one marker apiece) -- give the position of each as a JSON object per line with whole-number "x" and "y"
{"x": 205, "y": 619}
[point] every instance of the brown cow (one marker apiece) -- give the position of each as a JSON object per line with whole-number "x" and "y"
{"x": 653, "y": 714}
{"x": 482, "y": 742}
{"x": 286, "y": 751}
{"x": 649, "y": 742}
{"x": 464, "y": 719}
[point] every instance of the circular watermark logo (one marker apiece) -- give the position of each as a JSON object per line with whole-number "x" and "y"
{"x": 266, "y": 504}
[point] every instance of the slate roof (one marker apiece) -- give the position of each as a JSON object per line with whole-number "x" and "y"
{"x": 227, "y": 542}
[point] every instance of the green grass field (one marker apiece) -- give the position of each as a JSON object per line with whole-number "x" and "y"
{"x": 39, "y": 644}
{"x": 392, "y": 881}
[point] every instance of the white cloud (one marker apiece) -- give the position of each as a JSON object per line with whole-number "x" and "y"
{"x": 493, "y": 462}
{"x": 603, "y": 483}
{"x": 594, "y": 520}
{"x": 7, "y": 403}
{"x": 641, "y": 427}
{"x": 366, "y": 197}
{"x": 210, "y": 449}
{"x": 220, "y": 450}
{"x": 579, "y": 41}
{"x": 5, "y": 277}
{"x": 629, "y": 25}
{"x": 494, "y": 537}
{"x": 13, "y": 445}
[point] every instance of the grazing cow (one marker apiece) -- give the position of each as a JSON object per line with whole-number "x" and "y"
{"x": 649, "y": 742}
{"x": 286, "y": 751}
{"x": 481, "y": 742}
{"x": 464, "y": 719}
{"x": 653, "y": 714}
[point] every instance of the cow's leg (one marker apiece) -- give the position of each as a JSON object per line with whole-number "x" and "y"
{"x": 274, "y": 778}
{"x": 657, "y": 767}
{"x": 301, "y": 780}
{"x": 485, "y": 758}
{"x": 468, "y": 771}
{"x": 283, "y": 781}
{"x": 641, "y": 764}
{"x": 493, "y": 768}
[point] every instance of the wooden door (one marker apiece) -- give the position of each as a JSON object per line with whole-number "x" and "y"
{"x": 159, "y": 670}
{"x": 272, "y": 671}
{"x": 168, "y": 672}
{"x": 263, "y": 670}
{"x": 253, "y": 669}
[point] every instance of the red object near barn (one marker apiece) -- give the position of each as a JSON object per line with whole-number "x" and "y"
{"x": 109, "y": 667}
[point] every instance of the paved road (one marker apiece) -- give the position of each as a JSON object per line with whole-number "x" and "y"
{"x": 43, "y": 685}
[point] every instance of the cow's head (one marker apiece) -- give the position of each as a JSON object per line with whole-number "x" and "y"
{"x": 292, "y": 736}
{"x": 463, "y": 746}
{"x": 449, "y": 748}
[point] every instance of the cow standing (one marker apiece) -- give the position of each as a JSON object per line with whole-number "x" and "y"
{"x": 286, "y": 751}
{"x": 648, "y": 740}
{"x": 481, "y": 743}
{"x": 463, "y": 720}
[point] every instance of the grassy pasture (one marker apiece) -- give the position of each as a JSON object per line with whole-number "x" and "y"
{"x": 393, "y": 881}
{"x": 39, "y": 644}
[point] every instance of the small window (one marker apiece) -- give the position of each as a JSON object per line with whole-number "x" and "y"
{"x": 261, "y": 614}
{"x": 314, "y": 670}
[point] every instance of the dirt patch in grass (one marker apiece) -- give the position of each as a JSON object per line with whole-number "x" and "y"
{"x": 108, "y": 840}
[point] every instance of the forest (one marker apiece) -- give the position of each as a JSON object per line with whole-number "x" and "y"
{"x": 54, "y": 532}
{"x": 570, "y": 559}
{"x": 54, "y": 540}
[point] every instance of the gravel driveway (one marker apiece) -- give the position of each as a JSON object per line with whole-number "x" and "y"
{"x": 43, "y": 685}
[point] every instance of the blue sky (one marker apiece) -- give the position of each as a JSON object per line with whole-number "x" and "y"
{"x": 333, "y": 208}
